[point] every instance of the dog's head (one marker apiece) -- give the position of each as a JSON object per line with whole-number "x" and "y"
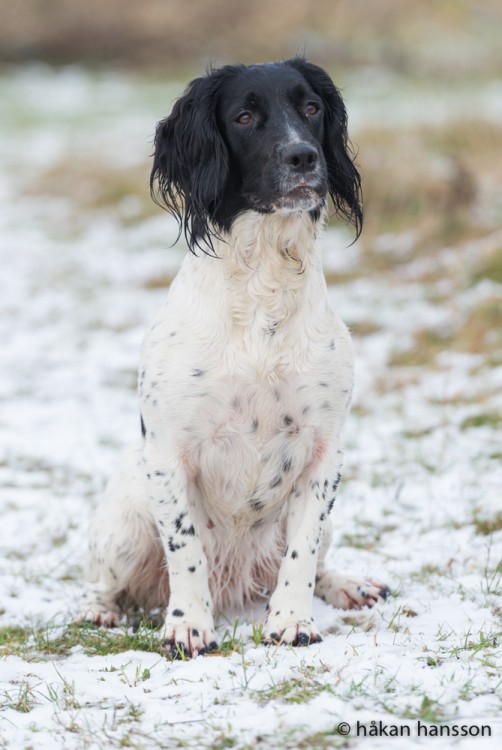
{"x": 265, "y": 138}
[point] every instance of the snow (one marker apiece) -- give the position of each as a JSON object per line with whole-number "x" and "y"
{"x": 75, "y": 299}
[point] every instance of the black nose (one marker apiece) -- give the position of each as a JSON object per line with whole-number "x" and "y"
{"x": 300, "y": 157}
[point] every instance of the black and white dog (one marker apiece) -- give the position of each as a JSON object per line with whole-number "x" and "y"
{"x": 246, "y": 373}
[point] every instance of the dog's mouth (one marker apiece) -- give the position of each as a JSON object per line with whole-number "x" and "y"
{"x": 302, "y": 197}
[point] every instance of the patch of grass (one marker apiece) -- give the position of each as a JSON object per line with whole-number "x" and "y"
{"x": 427, "y": 345}
{"x": 51, "y": 641}
{"x": 484, "y": 419}
{"x": 429, "y": 711}
{"x": 12, "y": 638}
{"x": 479, "y": 333}
{"x": 23, "y": 701}
{"x": 318, "y": 741}
{"x": 230, "y": 642}
{"x": 479, "y": 645}
{"x": 487, "y": 526}
{"x": 489, "y": 267}
{"x": 295, "y": 690}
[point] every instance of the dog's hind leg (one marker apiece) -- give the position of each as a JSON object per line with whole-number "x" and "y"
{"x": 344, "y": 591}
{"x": 125, "y": 556}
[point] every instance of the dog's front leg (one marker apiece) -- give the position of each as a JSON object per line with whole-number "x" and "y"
{"x": 289, "y": 611}
{"x": 189, "y": 626}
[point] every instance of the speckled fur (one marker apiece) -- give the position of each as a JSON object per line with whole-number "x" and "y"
{"x": 245, "y": 382}
{"x": 246, "y": 372}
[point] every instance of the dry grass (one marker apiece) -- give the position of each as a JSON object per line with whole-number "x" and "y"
{"x": 435, "y": 179}
{"x": 406, "y": 36}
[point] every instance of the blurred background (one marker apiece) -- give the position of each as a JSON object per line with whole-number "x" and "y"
{"x": 87, "y": 255}
{"x": 420, "y": 79}
{"x": 86, "y": 259}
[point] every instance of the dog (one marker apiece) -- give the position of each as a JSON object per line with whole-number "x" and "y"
{"x": 246, "y": 373}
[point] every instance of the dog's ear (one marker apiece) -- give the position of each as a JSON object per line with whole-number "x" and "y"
{"x": 190, "y": 166}
{"x": 344, "y": 181}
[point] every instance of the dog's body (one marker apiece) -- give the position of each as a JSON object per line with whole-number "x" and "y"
{"x": 246, "y": 372}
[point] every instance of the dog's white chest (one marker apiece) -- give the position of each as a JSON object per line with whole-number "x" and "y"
{"x": 249, "y": 373}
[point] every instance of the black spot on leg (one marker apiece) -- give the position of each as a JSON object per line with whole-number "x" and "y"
{"x": 178, "y": 613}
{"x": 173, "y": 547}
{"x": 286, "y": 583}
{"x": 336, "y": 482}
{"x": 191, "y": 569}
{"x": 294, "y": 554}
{"x": 196, "y": 373}
{"x": 143, "y": 428}
{"x": 195, "y": 632}
{"x": 178, "y": 521}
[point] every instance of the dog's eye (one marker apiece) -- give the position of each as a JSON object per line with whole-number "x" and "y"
{"x": 245, "y": 118}
{"x": 312, "y": 109}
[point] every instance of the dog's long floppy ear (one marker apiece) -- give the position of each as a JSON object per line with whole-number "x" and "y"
{"x": 190, "y": 166}
{"x": 344, "y": 182}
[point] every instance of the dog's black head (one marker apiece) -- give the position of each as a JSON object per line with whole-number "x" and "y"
{"x": 262, "y": 137}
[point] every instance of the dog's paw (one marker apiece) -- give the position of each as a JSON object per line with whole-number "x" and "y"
{"x": 100, "y": 618}
{"x": 185, "y": 640}
{"x": 350, "y": 593}
{"x": 301, "y": 633}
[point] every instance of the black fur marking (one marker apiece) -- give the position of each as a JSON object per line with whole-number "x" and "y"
{"x": 294, "y": 554}
{"x": 256, "y": 504}
{"x": 191, "y": 569}
{"x": 288, "y": 420}
{"x": 143, "y": 428}
{"x": 276, "y": 481}
{"x": 178, "y": 522}
{"x": 178, "y": 613}
{"x": 173, "y": 547}
{"x": 198, "y": 373}
{"x": 287, "y": 463}
{"x": 303, "y": 639}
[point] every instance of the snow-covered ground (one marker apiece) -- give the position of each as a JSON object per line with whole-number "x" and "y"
{"x": 420, "y": 506}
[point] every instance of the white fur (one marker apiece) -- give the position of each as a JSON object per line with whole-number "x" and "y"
{"x": 245, "y": 382}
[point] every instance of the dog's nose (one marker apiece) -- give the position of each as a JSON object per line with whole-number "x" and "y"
{"x": 300, "y": 157}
